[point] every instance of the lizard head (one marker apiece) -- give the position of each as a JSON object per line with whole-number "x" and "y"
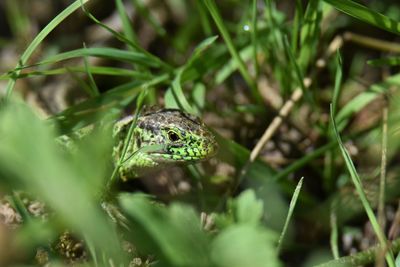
{"x": 165, "y": 137}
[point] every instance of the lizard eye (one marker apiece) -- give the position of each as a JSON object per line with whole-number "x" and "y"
{"x": 172, "y": 136}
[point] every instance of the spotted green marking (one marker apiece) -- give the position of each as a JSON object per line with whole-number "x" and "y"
{"x": 178, "y": 136}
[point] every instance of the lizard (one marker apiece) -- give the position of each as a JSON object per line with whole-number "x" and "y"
{"x": 177, "y": 137}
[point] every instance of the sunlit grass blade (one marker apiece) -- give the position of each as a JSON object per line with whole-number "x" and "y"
{"x": 292, "y": 205}
{"x": 297, "y": 21}
{"x": 100, "y": 70}
{"x": 309, "y": 35}
{"x": 176, "y": 90}
{"x": 363, "y": 99}
{"x": 126, "y": 23}
{"x": 128, "y": 138}
{"x": 254, "y": 37}
{"x": 212, "y": 8}
{"x": 103, "y": 52}
{"x": 178, "y": 94}
{"x": 366, "y": 14}
{"x": 40, "y": 37}
{"x": 360, "y": 191}
{"x": 111, "y": 102}
{"x": 125, "y": 40}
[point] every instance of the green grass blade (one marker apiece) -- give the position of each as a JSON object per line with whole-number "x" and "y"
{"x": 292, "y": 205}
{"x": 94, "y": 90}
{"x": 338, "y": 83}
{"x": 111, "y": 102}
{"x": 303, "y": 161}
{"x": 297, "y": 21}
{"x": 357, "y": 183}
{"x": 125, "y": 40}
{"x": 100, "y": 70}
{"x": 310, "y": 33}
{"x": 366, "y": 14}
{"x": 104, "y": 52}
{"x": 178, "y": 94}
{"x": 212, "y": 8}
{"x": 389, "y": 61}
{"x": 254, "y": 37}
{"x": 142, "y": 10}
{"x": 126, "y": 23}
{"x": 363, "y": 99}
{"x": 204, "y": 19}
{"x": 40, "y": 37}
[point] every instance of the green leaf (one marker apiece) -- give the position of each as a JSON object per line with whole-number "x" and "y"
{"x": 244, "y": 245}
{"x": 200, "y": 48}
{"x": 69, "y": 184}
{"x": 199, "y": 95}
{"x": 178, "y": 94}
{"x": 172, "y": 233}
{"x": 169, "y": 99}
{"x": 247, "y": 208}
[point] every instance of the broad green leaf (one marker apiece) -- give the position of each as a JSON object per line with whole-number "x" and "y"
{"x": 199, "y": 95}
{"x": 169, "y": 99}
{"x": 69, "y": 184}
{"x": 247, "y": 208}
{"x": 172, "y": 233}
{"x": 244, "y": 245}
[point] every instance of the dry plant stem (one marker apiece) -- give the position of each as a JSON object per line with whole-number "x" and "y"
{"x": 336, "y": 44}
{"x": 372, "y": 42}
{"x": 362, "y": 258}
{"x": 380, "y": 262}
{"x": 394, "y": 228}
{"x": 277, "y": 121}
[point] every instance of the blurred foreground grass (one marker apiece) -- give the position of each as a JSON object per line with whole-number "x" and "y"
{"x": 299, "y": 69}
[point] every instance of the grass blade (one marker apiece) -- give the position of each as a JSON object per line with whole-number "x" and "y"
{"x": 40, "y": 37}
{"x": 357, "y": 183}
{"x": 366, "y": 14}
{"x": 292, "y": 205}
{"x": 212, "y": 8}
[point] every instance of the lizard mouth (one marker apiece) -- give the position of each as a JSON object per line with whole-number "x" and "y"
{"x": 180, "y": 152}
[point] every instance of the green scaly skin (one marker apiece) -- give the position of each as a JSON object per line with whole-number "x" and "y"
{"x": 180, "y": 138}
